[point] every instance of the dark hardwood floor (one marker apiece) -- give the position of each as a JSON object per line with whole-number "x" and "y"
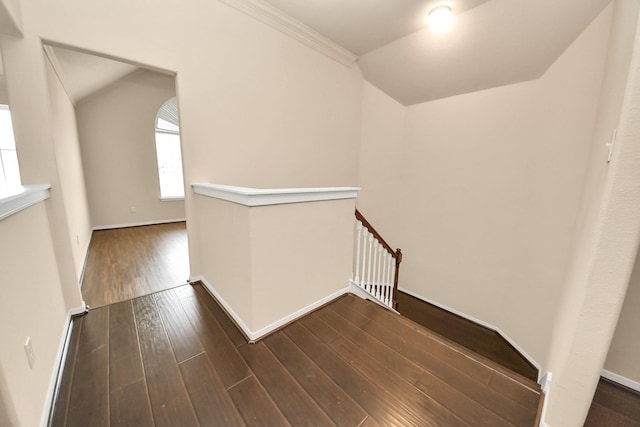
{"x": 174, "y": 358}
{"x": 614, "y": 405}
{"x": 475, "y": 337}
{"x": 130, "y": 262}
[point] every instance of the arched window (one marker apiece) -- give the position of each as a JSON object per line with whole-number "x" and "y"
{"x": 168, "y": 151}
{"x": 9, "y": 171}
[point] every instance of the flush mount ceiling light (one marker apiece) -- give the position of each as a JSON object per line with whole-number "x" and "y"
{"x": 440, "y": 18}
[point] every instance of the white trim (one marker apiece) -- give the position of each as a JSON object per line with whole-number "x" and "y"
{"x": 481, "y": 323}
{"x": 543, "y": 412}
{"x": 172, "y": 199}
{"x": 83, "y": 266}
{"x": 273, "y": 196}
{"x": 621, "y": 380}
{"x": 364, "y": 294}
{"x": 137, "y": 224}
{"x": 14, "y": 200}
{"x": 278, "y": 20}
{"x": 545, "y": 381}
{"x": 56, "y": 375}
{"x": 254, "y": 336}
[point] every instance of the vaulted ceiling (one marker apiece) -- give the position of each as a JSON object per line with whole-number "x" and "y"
{"x": 84, "y": 74}
{"x": 492, "y": 42}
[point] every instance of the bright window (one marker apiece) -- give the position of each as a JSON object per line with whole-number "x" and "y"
{"x": 9, "y": 171}
{"x": 168, "y": 151}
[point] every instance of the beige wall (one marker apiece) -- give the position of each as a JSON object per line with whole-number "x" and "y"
{"x": 32, "y": 305}
{"x": 117, "y": 136}
{"x": 383, "y": 127}
{"x": 487, "y": 188}
{"x": 624, "y": 354}
{"x": 67, "y": 152}
{"x": 267, "y": 262}
{"x": 605, "y": 240}
{"x": 4, "y": 96}
{"x": 300, "y": 254}
{"x": 27, "y": 84}
{"x": 224, "y": 248}
{"x": 257, "y": 108}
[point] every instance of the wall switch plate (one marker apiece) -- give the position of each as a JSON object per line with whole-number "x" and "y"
{"x": 28, "y": 349}
{"x": 133, "y": 210}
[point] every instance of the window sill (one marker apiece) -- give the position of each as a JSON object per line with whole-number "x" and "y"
{"x": 172, "y": 199}
{"x": 16, "y": 199}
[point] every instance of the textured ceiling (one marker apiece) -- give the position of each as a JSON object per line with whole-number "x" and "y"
{"x": 492, "y": 42}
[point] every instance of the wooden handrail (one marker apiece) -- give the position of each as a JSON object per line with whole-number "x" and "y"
{"x": 377, "y": 235}
{"x": 397, "y": 254}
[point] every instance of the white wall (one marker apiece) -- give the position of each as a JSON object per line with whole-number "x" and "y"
{"x": 67, "y": 153}
{"x": 117, "y": 137}
{"x": 487, "y": 188}
{"x": 32, "y": 306}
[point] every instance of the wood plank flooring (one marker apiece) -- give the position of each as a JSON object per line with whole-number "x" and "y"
{"x": 174, "y": 358}
{"x": 614, "y": 405}
{"x": 126, "y": 263}
{"x": 477, "y": 338}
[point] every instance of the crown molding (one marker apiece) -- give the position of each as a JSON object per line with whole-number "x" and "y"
{"x": 295, "y": 29}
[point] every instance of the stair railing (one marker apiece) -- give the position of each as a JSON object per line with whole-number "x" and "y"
{"x": 376, "y": 263}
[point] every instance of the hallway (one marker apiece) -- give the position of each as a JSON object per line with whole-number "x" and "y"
{"x": 126, "y": 263}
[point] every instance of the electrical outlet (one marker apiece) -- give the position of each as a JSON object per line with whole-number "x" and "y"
{"x": 28, "y": 348}
{"x": 134, "y": 210}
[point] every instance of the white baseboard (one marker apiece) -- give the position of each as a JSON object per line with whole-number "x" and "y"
{"x": 58, "y": 369}
{"x": 137, "y": 224}
{"x": 481, "y": 323}
{"x": 545, "y": 383}
{"x": 83, "y": 266}
{"x": 621, "y": 380}
{"x": 256, "y": 335}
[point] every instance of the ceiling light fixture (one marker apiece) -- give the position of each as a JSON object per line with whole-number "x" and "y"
{"x": 440, "y": 18}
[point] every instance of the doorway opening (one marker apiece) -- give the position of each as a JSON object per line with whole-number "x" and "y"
{"x": 120, "y": 147}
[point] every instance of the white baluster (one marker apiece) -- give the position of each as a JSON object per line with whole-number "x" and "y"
{"x": 376, "y": 250}
{"x": 379, "y": 289}
{"x": 384, "y": 275}
{"x": 384, "y": 271}
{"x": 364, "y": 259}
{"x": 358, "y": 239}
{"x": 390, "y": 263}
{"x": 371, "y": 255}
